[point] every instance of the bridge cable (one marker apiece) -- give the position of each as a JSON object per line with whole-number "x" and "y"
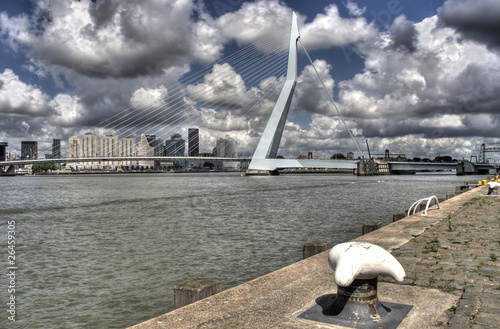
{"x": 181, "y": 117}
{"x": 330, "y": 96}
{"x": 243, "y": 65}
{"x": 179, "y": 95}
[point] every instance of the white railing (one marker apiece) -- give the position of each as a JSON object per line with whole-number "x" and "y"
{"x": 416, "y": 204}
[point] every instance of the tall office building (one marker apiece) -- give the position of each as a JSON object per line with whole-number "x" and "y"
{"x": 159, "y": 148}
{"x": 193, "y": 142}
{"x": 3, "y": 152}
{"x": 175, "y": 147}
{"x": 56, "y": 148}
{"x": 29, "y": 150}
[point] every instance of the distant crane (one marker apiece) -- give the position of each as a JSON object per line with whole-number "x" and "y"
{"x": 368, "y": 148}
{"x": 484, "y": 149}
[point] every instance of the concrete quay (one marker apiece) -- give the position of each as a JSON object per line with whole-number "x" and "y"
{"x": 452, "y": 263}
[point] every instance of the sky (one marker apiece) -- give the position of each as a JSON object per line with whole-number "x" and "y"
{"x": 419, "y": 78}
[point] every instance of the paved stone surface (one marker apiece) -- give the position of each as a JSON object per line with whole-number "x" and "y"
{"x": 460, "y": 255}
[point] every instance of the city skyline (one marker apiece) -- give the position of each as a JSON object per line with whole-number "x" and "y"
{"x": 111, "y": 146}
{"x": 414, "y": 78}
{"x": 91, "y": 145}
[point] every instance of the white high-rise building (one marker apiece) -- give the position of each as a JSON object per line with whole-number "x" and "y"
{"x": 74, "y": 147}
{"x": 75, "y": 150}
{"x": 90, "y": 149}
{"x": 227, "y": 148}
{"x": 128, "y": 148}
{"x": 109, "y": 148}
{"x": 90, "y": 146}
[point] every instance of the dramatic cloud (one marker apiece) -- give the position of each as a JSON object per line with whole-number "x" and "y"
{"x": 403, "y": 34}
{"x": 70, "y": 111}
{"x": 311, "y": 96}
{"x": 112, "y": 38}
{"x": 270, "y": 18}
{"x": 477, "y": 20}
{"x": 256, "y": 20}
{"x": 432, "y": 85}
{"x": 223, "y": 87}
{"x": 145, "y": 98}
{"x": 227, "y": 104}
{"x": 330, "y": 29}
{"x": 20, "y": 99}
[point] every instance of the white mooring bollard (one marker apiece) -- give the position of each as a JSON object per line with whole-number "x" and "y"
{"x": 356, "y": 267}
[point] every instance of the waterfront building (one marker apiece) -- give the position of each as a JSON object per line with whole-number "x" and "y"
{"x": 29, "y": 150}
{"x": 159, "y": 147}
{"x": 90, "y": 146}
{"x": 193, "y": 142}
{"x": 3, "y": 152}
{"x": 175, "y": 146}
{"x": 147, "y": 149}
{"x": 109, "y": 148}
{"x": 128, "y": 148}
{"x": 12, "y": 156}
{"x": 74, "y": 147}
{"x": 90, "y": 149}
{"x": 227, "y": 148}
{"x": 159, "y": 152}
{"x": 56, "y": 148}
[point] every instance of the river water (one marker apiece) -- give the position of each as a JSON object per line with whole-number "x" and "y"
{"x": 105, "y": 251}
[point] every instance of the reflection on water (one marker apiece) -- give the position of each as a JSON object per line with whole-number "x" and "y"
{"x": 106, "y": 251}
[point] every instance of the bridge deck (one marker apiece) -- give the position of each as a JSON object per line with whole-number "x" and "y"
{"x": 117, "y": 159}
{"x": 274, "y": 163}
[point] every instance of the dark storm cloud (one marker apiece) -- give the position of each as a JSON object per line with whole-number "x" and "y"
{"x": 404, "y": 35}
{"x": 121, "y": 39}
{"x": 102, "y": 12}
{"x": 486, "y": 126}
{"x": 478, "y": 20}
{"x": 19, "y": 127}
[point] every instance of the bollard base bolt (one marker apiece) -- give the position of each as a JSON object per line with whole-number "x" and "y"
{"x": 357, "y": 307}
{"x": 357, "y": 303}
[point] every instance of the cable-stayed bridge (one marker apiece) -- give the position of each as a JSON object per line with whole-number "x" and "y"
{"x": 273, "y": 87}
{"x": 164, "y": 115}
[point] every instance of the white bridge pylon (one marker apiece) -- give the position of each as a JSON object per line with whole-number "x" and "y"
{"x": 264, "y": 157}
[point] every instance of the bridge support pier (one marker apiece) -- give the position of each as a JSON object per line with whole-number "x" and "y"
{"x": 259, "y": 172}
{"x": 372, "y": 167}
{"x": 11, "y": 171}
